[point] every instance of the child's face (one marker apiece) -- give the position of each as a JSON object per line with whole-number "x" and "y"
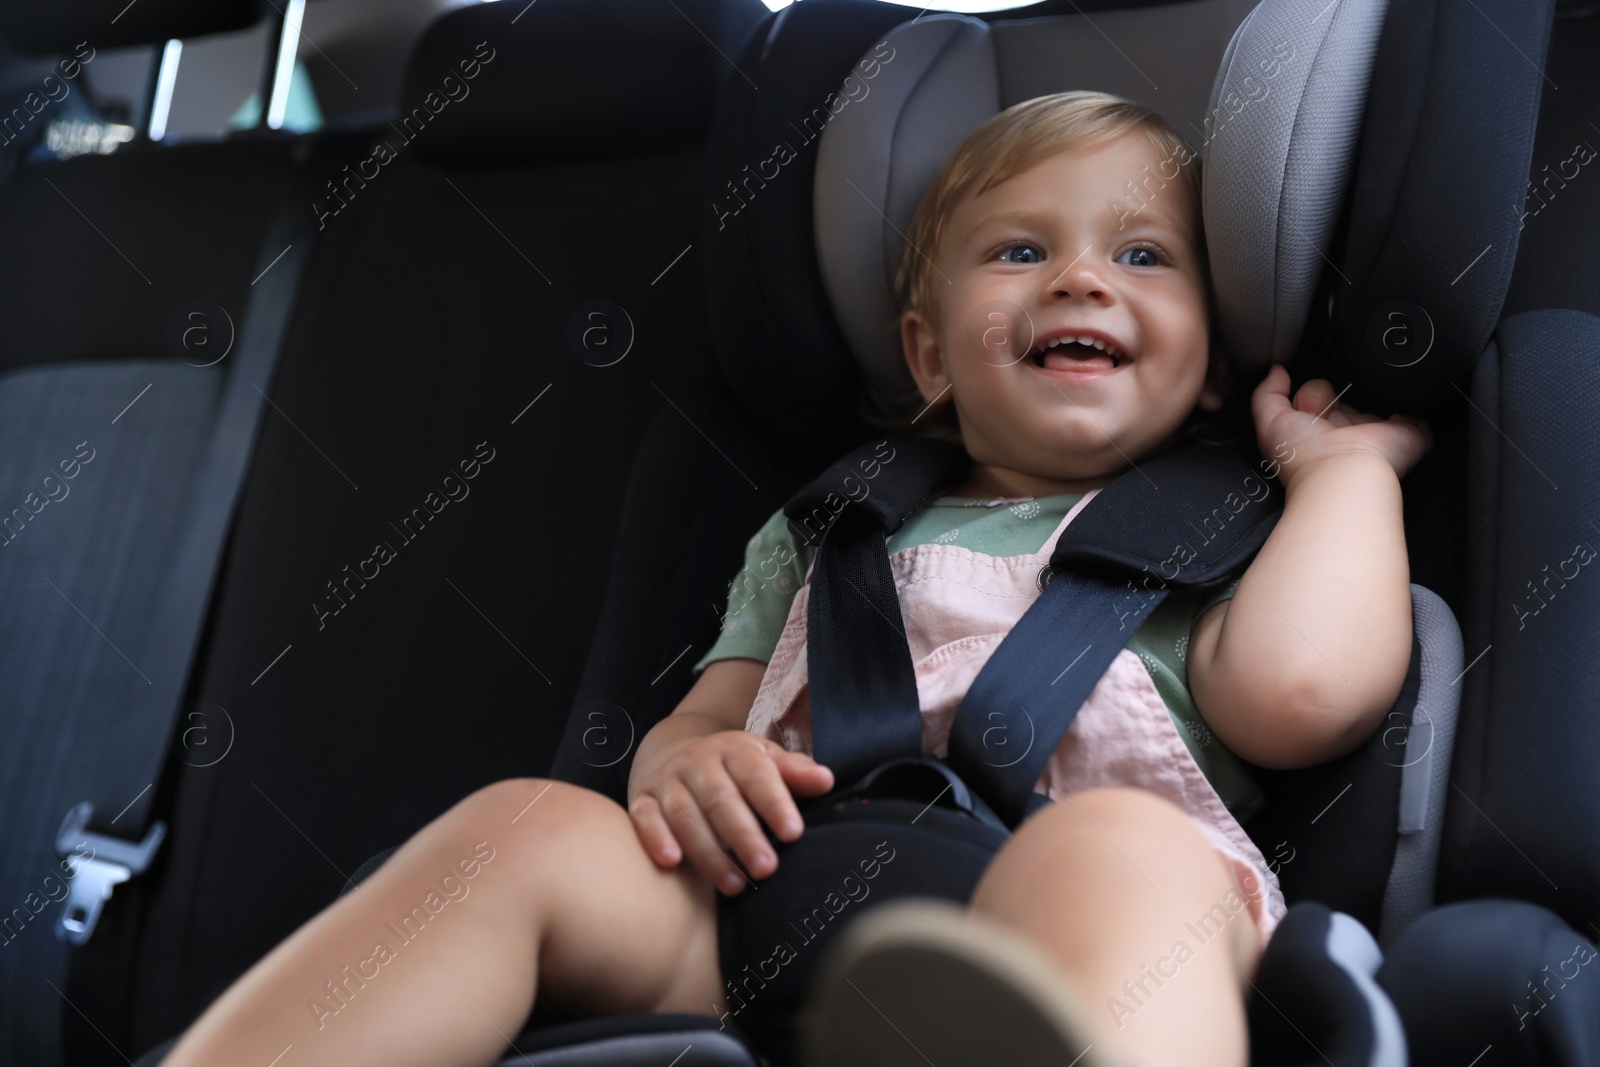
{"x": 1064, "y": 248}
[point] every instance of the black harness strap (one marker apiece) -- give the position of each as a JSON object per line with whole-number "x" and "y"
{"x": 1189, "y": 518}
{"x": 864, "y": 706}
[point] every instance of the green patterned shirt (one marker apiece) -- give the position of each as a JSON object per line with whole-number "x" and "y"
{"x": 775, "y": 567}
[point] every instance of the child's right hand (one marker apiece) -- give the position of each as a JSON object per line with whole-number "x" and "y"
{"x": 702, "y": 790}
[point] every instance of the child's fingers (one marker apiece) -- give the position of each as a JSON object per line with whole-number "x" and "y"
{"x": 654, "y": 834}
{"x": 1271, "y": 396}
{"x": 721, "y": 800}
{"x": 804, "y": 775}
{"x": 1420, "y": 425}
{"x": 1411, "y": 440}
{"x": 1275, "y": 382}
{"x": 759, "y": 779}
{"x": 691, "y": 826}
{"x": 1315, "y": 397}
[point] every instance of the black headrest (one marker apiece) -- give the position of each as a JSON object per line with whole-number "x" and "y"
{"x": 48, "y": 29}
{"x": 570, "y": 79}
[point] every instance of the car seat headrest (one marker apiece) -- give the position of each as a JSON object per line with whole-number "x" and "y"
{"x": 1275, "y": 111}
{"x": 1281, "y": 134}
{"x": 58, "y": 28}
{"x": 570, "y": 79}
{"x": 1439, "y": 193}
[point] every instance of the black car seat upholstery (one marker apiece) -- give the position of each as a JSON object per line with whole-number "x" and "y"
{"x": 102, "y": 424}
{"x": 1377, "y": 245}
{"x": 499, "y": 302}
{"x": 820, "y": 308}
{"x": 1285, "y": 138}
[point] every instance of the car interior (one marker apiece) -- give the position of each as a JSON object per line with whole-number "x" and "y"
{"x": 384, "y": 317}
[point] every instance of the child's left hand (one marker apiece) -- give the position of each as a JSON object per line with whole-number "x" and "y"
{"x": 1302, "y": 433}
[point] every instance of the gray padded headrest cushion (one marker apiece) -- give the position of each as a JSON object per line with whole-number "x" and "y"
{"x": 1270, "y": 200}
{"x": 1275, "y": 173}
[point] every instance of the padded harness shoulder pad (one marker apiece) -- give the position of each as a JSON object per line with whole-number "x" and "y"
{"x": 1192, "y": 516}
{"x": 918, "y": 468}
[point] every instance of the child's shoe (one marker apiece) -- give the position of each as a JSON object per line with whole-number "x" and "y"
{"x": 924, "y": 980}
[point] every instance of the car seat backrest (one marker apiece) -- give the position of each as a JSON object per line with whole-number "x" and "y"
{"x": 105, "y": 416}
{"x": 1276, "y": 125}
{"x": 133, "y": 273}
{"x": 1272, "y": 94}
{"x": 783, "y": 357}
{"x": 129, "y": 242}
{"x": 138, "y": 236}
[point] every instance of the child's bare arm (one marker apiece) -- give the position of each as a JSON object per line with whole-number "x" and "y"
{"x": 720, "y": 699}
{"x": 1302, "y": 664}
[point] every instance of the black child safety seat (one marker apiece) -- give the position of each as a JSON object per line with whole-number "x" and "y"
{"x": 1277, "y": 210}
{"x": 1343, "y": 236}
{"x": 1341, "y": 240}
{"x": 936, "y": 80}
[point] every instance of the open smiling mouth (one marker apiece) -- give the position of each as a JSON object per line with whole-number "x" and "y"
{"x": 1075, "y": 357}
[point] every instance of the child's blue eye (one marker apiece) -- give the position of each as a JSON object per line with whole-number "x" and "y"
{"x": 1006, "y": 256}
{"x": 1029, "y": 254}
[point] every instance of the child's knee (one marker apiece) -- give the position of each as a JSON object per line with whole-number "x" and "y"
{"x": 522, "y": 803}
{"x": 546, "y": 838}
{"x": 533, "y": 822}
{"x": 1128, "y": 825}
{"x": 1098, "y": 810}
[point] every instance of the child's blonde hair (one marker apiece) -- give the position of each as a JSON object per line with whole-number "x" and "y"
{"x": 1018, "y": 138}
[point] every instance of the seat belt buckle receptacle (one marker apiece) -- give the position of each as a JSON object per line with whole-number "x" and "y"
{"x": 111, "y": 862}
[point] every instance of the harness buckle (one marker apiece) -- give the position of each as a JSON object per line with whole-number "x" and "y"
{"x": 111, "y": 862}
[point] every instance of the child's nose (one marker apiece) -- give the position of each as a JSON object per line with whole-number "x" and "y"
{"x": 1081, "y": 277}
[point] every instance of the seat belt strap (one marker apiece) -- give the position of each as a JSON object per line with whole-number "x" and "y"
{"x": 122, "y": 835}
{"x": 1188, "y": 518}
{"x": 864, "y": 705}
{"x": 890, "y": 479}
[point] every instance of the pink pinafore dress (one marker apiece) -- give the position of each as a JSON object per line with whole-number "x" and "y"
{"x": 957, "y": 606}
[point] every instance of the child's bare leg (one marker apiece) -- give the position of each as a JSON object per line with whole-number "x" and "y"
{"x": 1110, "y": 882}
{"x": 537, "y": 884}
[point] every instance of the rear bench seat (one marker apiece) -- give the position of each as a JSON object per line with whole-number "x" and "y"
{"x": 101, "y": 426}
{"x": 422, "y": 549}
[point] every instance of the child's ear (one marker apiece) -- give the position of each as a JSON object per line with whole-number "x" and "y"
{"x": 1219, "y": 373}
{"x": 920, "y": 343}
